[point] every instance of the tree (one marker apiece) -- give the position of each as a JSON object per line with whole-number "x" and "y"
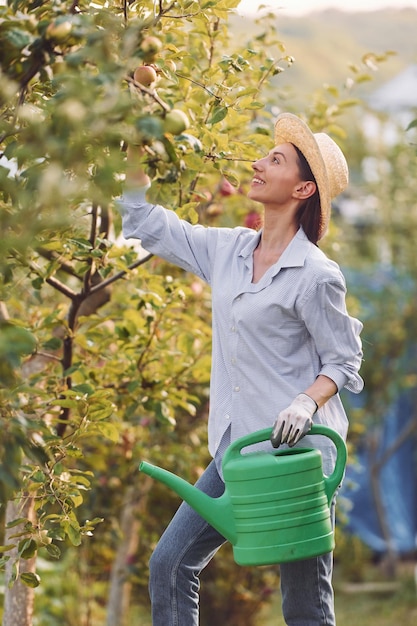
{"x": 106, "y": 355}
{"x": 69, "y": 105}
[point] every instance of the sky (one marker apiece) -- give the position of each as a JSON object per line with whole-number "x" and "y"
{"x": 300, "y": 7}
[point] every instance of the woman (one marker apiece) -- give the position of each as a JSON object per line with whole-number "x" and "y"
{"x": 283, "y": 347}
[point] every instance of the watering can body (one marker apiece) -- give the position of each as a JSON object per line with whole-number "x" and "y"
{"x": 276, "y": 506}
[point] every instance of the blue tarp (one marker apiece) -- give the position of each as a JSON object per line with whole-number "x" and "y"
{"x": 398, "y": 485}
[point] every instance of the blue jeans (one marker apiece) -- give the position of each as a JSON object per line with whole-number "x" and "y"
{"x": 188, "y": 545}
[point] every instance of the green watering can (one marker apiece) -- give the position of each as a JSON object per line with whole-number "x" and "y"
{"x": 276, "y": 506}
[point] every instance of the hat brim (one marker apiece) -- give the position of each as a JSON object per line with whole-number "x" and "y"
{"x": 291, "y": 129}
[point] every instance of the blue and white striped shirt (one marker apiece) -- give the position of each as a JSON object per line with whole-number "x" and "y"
{"x": 271, "y": 339}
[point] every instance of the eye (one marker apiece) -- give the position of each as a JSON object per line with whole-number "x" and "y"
{"x": 275, "y": 159}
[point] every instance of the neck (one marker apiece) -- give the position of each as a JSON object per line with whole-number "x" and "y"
{"x": 277, "y": 234}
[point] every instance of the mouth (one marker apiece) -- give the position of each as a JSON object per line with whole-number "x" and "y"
{"x": 257, "y": 181}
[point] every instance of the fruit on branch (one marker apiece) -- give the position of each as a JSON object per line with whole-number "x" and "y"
{"x": 226, "y": 188}
{"x": 176, "y": 122}
{"x": 58, "y": 31}
{"x": 214, "y": 210}
{"x": 145, "y": 75}
{"x": 253, "y": 220}
{"x": 150, "y": 47}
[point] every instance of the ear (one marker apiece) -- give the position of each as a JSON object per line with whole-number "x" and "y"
{"x": 305, "y": 189}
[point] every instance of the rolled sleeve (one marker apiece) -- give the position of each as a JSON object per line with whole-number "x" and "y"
{"x": 336, "y": 335}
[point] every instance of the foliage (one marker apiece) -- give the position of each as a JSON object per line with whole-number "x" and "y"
{"x": 105, "y": 351}
{"x": 97, "y": 370}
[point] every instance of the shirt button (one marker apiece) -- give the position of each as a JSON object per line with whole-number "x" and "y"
{"x": 233, "y": 360}
{"x": 237, "y": 388}
{"x": 232, "y": 329}
{"x": 227, "y": 417}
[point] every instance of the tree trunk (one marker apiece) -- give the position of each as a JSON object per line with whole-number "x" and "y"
{"x": 19, "y": 599}
{"x": 120, "y": 587}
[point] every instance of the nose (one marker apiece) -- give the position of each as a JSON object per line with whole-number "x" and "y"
{"x": 257, "y": 165}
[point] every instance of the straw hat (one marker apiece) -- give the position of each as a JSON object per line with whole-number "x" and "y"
{"x": 325, "y": 158}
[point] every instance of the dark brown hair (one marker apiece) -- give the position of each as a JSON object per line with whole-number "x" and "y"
{"x": 309, "y": 214}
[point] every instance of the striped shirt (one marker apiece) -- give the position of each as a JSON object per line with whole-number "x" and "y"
{"x": 271, "y": 339}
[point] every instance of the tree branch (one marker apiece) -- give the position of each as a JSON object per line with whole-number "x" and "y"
{"x": 66, "y": 291}
{"x": 112, "y": 279}
{"x": 397, "y": 443}
{"x": 50, "y": 255}
{"x": 150, "y": 92}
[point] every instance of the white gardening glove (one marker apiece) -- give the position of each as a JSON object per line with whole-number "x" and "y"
{"x": 294, "y": 422}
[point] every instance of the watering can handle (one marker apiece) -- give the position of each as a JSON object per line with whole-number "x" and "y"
{"x": 331, "y": 482}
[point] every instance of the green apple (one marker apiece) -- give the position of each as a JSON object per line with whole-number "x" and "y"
{"x": 58, "y": 31}
{"x": 176, "y": 122}
{"x": 150, "y": 47}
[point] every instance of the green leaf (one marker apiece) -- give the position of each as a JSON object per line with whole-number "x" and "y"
{"x": 218, "y": 114}
{"x": 249, "y": 91}
{"x": 74, "y": 452}
{"x": 170, "y": 149}
{"x": 81, "y": 480}
{"x": 84, "y": 388}
{"x": 77, "y": 500}
{"x": 15, "y": 341}
{"x": 412, "y": 124}
{"x": 63, "y": 402}
{"x": 150, "y": 126}
{"x": 53, "y": 550}
{"x": 54, "y": 343}
{"x": 37, "y": 283}
{"x": 108, "y": 430}
{"x": 7, "y": 548}
{"x": 27, "y": 548}
{"x": 74, "y": 534}
{"x": 14, "y": 574}
{"x": 16, "y": 522}
{"x": 18, "y": 38}
{"x": 256, "y": 105}
{"x": 30, "y": 579}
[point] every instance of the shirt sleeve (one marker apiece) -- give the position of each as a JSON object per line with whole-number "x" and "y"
{"x": 163, "y": 233}
{"x": 335, "y": 333}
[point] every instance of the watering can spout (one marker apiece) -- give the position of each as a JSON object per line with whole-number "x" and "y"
{"x": 216, "y": 511}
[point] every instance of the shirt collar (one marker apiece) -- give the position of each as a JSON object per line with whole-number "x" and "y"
{"x": 293, "y": 256}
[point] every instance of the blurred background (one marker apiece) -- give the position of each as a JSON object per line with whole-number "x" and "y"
{"x": 105, "y": 350}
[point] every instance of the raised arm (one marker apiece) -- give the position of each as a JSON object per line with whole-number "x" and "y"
{"x": 135, "y": 173}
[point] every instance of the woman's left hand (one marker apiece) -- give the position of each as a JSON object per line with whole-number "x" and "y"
{"x": 294, "y": 422}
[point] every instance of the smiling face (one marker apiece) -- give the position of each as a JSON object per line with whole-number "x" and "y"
{"x": 277, "y": 180}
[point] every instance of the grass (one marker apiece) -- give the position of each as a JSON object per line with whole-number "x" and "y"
{"x": 365, "y": 605}
{"x": 361, "y": 609}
